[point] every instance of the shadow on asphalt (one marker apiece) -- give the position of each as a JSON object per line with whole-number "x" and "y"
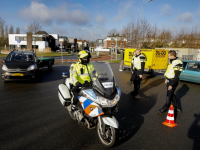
{"x": 53, "y": 75}
{"x": 131, "y": 116}
{"x": 181, "y": 93}
{"x": 152, "y": 84}
{"x": 194, "y": 132}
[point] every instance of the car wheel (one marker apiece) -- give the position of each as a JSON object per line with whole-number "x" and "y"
{"x": 50, "y": 66}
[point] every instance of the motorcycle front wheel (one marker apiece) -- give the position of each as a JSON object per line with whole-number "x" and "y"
{"x": 70, "y": 112}
{"x": 108, "y": 138}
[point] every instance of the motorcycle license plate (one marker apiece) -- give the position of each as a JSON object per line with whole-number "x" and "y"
{"x": 17, "y": 74}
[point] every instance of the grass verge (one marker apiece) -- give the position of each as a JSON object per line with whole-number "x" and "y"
{"x": 114, "y": 61}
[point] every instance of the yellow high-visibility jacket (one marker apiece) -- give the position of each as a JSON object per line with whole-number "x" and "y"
{"x": 136, "y": 61}
{"x": 176, "y": 64}
{"x": 79, "y": 73}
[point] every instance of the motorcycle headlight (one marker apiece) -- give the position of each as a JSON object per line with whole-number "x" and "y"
{"x": 108, "y": 103}
{"x": 4, "y": 68}
{"x": 32, "y": 67}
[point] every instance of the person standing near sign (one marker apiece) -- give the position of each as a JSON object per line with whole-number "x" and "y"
{"x": 137, "y": 69}
{"x": 172, "y": 74}
{"x": 122, "y": 61}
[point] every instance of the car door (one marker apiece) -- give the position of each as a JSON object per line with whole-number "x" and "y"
{"x": 191, "y": 72}
{"x": 183, "y": 74}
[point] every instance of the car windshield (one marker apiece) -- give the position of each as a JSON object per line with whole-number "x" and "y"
{"x": 20, "y": 57}
{"x": 103, "y": 78}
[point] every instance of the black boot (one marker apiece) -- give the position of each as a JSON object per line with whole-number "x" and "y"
{"x": 129, "y": 82}
{"x": 162, "y": 110}
{"x": 165, "y": 107}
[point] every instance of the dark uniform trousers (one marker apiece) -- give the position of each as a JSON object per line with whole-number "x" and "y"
{"x": 136, "y": 80}
{"x": 171, "y": 97}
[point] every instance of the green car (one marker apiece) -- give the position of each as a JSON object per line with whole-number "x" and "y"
{"x": 191, "y": 71}
{"x": 45, "y": 62}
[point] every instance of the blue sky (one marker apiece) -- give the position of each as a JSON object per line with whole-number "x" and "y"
{"x": 68, "y": 17}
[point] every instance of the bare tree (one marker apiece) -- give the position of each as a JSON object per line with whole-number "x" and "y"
{"x": 1, "y": 31}
{"x": 34, "y": 28}
{"x": 131, "y": 32}
{"x": 11, "y": 30}
{"x": 112, "y": 32}
{"x": 17, "y": 30}
{"x": 145, "y": 31}
{"x": 2, "y": 38}
{"x": 2, "y": 22}
{"x": 6, "y": 36}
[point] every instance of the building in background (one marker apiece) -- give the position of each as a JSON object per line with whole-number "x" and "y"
{"x": 82, "y": 44}
{"x": 63, "y": 42}
{"x": 115, "y": 41}
{"x": 40, "y": 41}
{"x": 99, "y": 42}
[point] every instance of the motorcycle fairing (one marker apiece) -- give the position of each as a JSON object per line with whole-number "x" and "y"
{"x": 90, "y": 93}
{"x": 90, "y": 108}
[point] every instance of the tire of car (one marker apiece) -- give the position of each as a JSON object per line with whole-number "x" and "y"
{"x": 50, "y": 65}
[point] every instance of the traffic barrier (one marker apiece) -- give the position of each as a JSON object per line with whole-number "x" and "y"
{"x": 170, "y": 118}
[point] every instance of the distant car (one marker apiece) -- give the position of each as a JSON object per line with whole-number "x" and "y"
{"x": 191, "y": 71}
{"x": 19, "y": 65}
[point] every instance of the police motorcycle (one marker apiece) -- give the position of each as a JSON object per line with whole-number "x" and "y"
{"x": 97, "y": 102}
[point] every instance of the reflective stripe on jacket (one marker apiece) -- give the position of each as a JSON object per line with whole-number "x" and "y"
{"x": 176, "y": 64}
{"x": 79, "y": 72}
{"x": 136, "y": 61}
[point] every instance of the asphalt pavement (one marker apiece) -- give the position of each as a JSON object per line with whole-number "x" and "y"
{"x": 32, "y": 116}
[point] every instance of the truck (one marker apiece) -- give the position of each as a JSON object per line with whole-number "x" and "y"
{"x": 156, "y": 59}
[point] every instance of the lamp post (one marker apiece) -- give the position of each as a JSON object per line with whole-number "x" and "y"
{"x": 115, "y": 39}
{"x": 141, "y": 21}
{"x": 91, "y": 34}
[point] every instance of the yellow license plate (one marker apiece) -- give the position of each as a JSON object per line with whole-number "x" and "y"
{"x": 17, "y": 74}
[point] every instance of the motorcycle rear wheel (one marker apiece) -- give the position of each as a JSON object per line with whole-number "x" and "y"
{"x": 109, "y": 137}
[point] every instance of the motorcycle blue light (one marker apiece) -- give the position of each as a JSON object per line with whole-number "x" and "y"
{"x": 64, "y": 73}
{"x": 119, "y": 91}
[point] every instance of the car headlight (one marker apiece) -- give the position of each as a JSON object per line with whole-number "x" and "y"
{"x": 32, "y": 67}
{"x": 4, "y": 68}
{"x": 106, "y": 102}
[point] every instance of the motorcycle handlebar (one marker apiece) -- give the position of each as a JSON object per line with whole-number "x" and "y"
{"x": 84, "y": 85}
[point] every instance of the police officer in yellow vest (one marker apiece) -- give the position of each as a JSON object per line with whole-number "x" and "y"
{"x": 79, "y": 73}
{"x": 172, "y": 74}
{"x": 137, "y": 69}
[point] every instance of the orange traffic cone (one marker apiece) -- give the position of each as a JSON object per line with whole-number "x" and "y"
{"x": 170, "y": 118}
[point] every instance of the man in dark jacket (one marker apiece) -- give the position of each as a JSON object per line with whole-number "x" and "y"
{"x": 172, "y": 74}
{"x": 137, "y": 69}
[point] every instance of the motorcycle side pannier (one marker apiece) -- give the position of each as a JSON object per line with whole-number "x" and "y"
{"x": 64, "y": 95}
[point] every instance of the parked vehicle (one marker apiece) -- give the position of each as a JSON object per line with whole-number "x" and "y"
{"x": 97, "y": 102}
{"x": 45, "y": 62}
{"x": 23, "y": 65}
{"x": 156, "y": 59}
{"x": 191, "y": 71}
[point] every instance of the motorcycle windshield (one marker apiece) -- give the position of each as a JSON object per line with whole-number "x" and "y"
{"x": 103, "y": 78}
